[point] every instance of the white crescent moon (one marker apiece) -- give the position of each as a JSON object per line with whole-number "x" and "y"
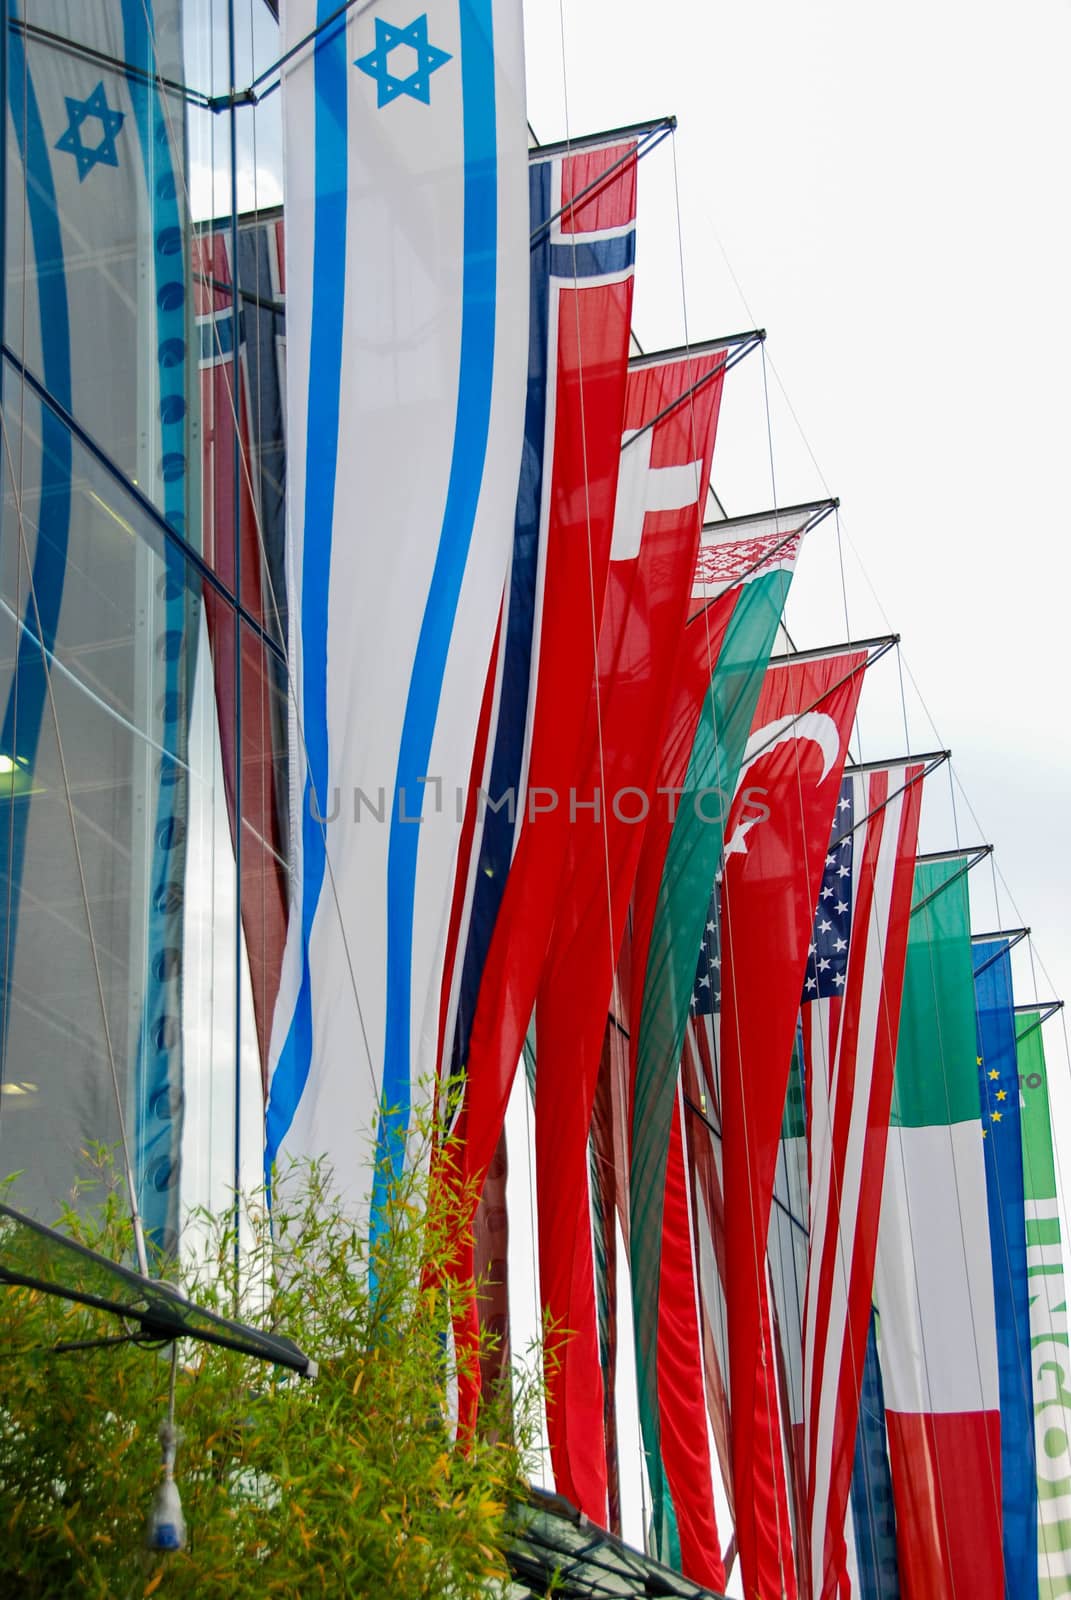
{"x": 812, "y": 725}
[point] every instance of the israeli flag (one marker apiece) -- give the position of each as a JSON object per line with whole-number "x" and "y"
{"x": 407, "y": 332}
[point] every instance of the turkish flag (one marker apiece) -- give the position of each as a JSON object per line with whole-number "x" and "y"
{"x": 777, "y": 836}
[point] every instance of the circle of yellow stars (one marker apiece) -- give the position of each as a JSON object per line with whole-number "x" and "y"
{"x": 1001, "y": 1094}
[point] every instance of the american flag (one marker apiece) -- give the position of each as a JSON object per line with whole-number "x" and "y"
{"x": 827, "y": 959}
{"x": 706, "y": 996}
{"x": 850, "y": 1014}
{"x": 701, "y": 1035}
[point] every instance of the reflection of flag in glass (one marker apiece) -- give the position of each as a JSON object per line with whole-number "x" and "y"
{"x": 104, "y": 323}
{"x": 998, "y": 1083}
{"x": 851, "y": 1013}
{"x": 933, "y": 1284}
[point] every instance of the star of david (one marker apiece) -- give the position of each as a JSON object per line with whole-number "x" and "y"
{"x": 377, "y": 62}
{"x": 79, "y": 112}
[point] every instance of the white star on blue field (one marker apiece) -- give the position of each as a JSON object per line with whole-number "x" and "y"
{"x": 94, "y": 108}
{"x": 376, "y": 63}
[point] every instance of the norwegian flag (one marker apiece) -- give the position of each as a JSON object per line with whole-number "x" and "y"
{"x": 851, "y": 1015}
{"x": 514, "y": 834}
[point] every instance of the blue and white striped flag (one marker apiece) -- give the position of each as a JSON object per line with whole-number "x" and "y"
{"x": 407, "y": 345}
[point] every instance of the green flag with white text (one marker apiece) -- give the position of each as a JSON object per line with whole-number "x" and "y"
{"x": 1050, "y": 1359}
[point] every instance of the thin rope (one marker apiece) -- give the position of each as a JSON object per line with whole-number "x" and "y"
{"x": 843, "y": 579}
{"x": 903, "y": 696}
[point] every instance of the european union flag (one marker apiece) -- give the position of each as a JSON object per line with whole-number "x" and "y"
{"x": 998, "y": 1078}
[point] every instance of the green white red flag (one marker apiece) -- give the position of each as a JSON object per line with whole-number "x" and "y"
{"x": 933, "y": 1284}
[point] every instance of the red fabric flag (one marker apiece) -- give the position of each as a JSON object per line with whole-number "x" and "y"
{"x": 670, "y": 423}
{"x": 685, "y": 1449}
{"x": 851, "y": 1019}
{"x": 772, "y": 871}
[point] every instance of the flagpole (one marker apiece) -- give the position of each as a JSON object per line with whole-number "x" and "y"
{"x": 980, "y": 853}
{"x": 586, "y": 141}
{"x": 1045, "y": 1009}
{"x": 1010, "y": 937}
{"x": 935, "y": 759}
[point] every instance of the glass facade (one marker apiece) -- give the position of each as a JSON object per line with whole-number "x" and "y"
{"x": 143, "y": 777}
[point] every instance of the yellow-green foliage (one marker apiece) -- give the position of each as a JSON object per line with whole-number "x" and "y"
{"x": 345, "y": 1486}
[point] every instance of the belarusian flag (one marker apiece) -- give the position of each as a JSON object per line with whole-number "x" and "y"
{"x": 933, "y": 1281}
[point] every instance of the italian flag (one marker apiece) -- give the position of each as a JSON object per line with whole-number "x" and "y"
{"x": 933, "y": 1282}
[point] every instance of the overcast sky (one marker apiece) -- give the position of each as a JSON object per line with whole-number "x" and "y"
{"x": 889, "y": 190}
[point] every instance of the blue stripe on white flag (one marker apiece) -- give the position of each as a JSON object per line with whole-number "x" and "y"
{"x": 500, "y": 826}
{"x": 998, "y": 1074}
{"x": 475, "y": 383}
{"x": 872, "y": 1495}
{"x": 321, "y": 448}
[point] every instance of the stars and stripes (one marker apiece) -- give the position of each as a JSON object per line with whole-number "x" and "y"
{"x": 850, "y": 1013}
{"x": 827, "y": 958}
{"x": 706, "y": 995}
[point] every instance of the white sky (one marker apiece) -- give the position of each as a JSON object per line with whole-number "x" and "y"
{"x": 890, "y": 189}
